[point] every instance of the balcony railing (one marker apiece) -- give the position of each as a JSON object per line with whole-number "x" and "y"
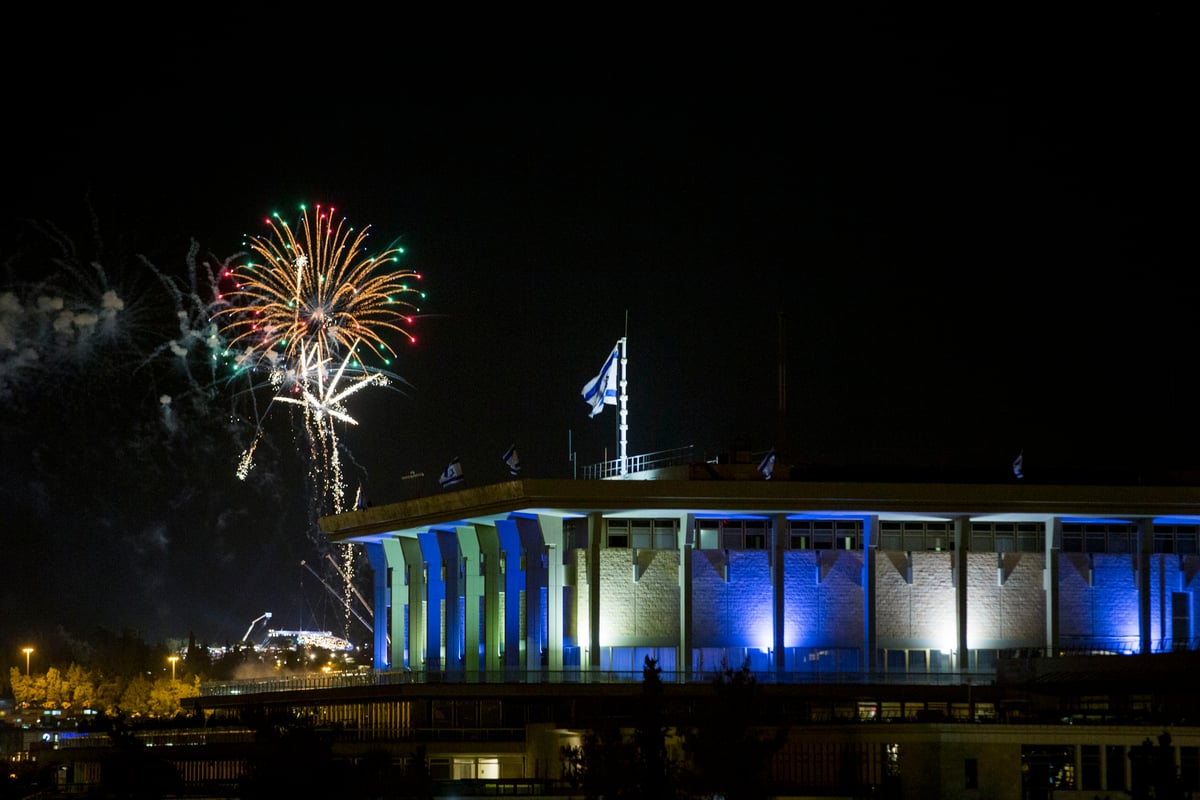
{"x": 373, "y": 677}
{"x": 639, "y": 463}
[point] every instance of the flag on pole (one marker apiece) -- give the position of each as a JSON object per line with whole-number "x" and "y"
{"x": 453, "y": 474}
{"x": 511, "y": 458}
{"x": 602, "y": 389}
{"x": 1019, "y": 465}
{"x": 767, "y": 465}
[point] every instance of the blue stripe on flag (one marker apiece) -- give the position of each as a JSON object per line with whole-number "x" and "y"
{"x": 602, "y": 389}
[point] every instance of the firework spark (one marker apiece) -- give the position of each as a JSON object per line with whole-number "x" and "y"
{"x": 300, "y": 310}
{"x": 309, "y": 300}
{"x": 320, "y": 292}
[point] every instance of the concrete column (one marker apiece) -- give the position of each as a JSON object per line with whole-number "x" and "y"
{"x": 870, "y": 549}
{"x": 552, "y": 536}
{"x": 514, "y": 582}
{"x": 472, "y": 594}
{"x": 435, "y": 595}
{"x": 1145, "y": 551}
{"x": 686, "y": 543}
{"x": 452, "y": 593}
{"x": 1052, "y": 548}
{"x": 398, "y": 604}
{"x": 418, "y": 596}
{"x": 962, "y": 536}
{"x": 596, "y": 533}
{"x": 489, "y": 552}
{"x": 537, "y": 561}
{"x": 778, "y": 543}
{"x": 376, "y": 556}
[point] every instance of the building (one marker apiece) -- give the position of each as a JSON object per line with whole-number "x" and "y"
{"x": 913, "y": 638}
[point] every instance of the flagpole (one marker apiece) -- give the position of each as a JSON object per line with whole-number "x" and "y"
{"x": 623, "y": 419}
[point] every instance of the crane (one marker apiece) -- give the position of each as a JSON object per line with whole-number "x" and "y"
{"x": 266, "y": 615}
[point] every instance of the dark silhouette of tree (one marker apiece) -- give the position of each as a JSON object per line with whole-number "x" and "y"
{"x": 290, "y": 757}
{"x": 197, "y": 658}
{"x": 729, "y": 752}
{"x": 602, "y": 767}
{"x": 656, "y": 771}
{"x": 617, "y": 763}
{"x": 129, "y": 771}
{"x": 418, "y": 783}
{"x": 1153, "y": 773}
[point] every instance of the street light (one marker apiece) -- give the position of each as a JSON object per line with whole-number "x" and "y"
{"x": 172, "y": 659}
{"x": 27, "y": 651}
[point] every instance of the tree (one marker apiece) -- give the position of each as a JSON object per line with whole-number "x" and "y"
{"x": 729, "y": 753}
{"x": 23, "y": 688}
{"x": 1153, "y": 772}
{"x": 135, "y": 700}
{"x": 656, "y": 770}
{"x": 290, "y": 758}
{"x": 83, "y": 687}
{"x": 57, "y": 693}
{"x": 615, "y": 763}
{"x": 603, "y": 766}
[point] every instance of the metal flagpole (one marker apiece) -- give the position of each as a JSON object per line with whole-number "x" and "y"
{"x": 623, "y": 419}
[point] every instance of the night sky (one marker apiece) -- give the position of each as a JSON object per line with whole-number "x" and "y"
{"x": 971, "y": 232}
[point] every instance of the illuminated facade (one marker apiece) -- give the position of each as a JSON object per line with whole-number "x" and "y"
{"x": 699, "y": 565}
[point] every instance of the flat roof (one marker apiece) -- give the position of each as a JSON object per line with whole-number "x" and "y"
{"x": 638, "y": 496}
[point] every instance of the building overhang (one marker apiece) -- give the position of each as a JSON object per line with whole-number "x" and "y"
{"x": 646, "y": 498}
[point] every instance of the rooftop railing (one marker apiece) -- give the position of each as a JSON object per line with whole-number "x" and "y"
{"x": 639, "y": 463}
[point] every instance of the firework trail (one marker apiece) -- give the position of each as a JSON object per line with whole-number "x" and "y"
{"x": 181, "y": 364}
{"x": 312, "y": 310}
{"x": 301, "y": 310}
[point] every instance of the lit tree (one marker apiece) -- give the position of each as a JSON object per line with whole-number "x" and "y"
{"x": 57, "y": 694}
{"x": 83, "y": 687}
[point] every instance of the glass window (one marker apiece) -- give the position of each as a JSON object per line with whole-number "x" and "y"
{"x": 1029, "y": 538}
{"x": 618, "y": 534}
{"x": 1189, "y": 768}
{"x": 890, "y": 536}
{"x": 1114, "y": 767}
{"x": 665, "y": 537}
{"x": 640, "y": 533}
{"x": 1089, "y": 767}
{"x": 1046, "y": 767}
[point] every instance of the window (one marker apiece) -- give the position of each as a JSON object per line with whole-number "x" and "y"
{"x": 745, "y": 534}
{"x": 1047, "y": 767}
{"x": 646, "y": 534}
{"x": 1089, "y": 766}
{"x": 911, "y": 536}
{"x": 666, "y": 534}
{"x": 1114, "y": 766}
{"x": 618, "y": 533}
{"x": 1189, "y": 768}
{"x": 639, "y": 534}
{"x": 1097, "y": 538}
{"x": 824, "y": 534}
{"x": 1175, "y": 539}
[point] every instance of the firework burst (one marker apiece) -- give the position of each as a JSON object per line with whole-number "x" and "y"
{"x": 303, "y": 309}
{"x": 322, "y": 292}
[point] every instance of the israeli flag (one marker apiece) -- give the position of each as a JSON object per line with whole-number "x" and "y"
{"x": 1019, "y": 465}
{"x": 511, "y": 458}
{"x": 453, "y": 474}
{"x": 602, "y": 389}
{"x": 767, "y": 465}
